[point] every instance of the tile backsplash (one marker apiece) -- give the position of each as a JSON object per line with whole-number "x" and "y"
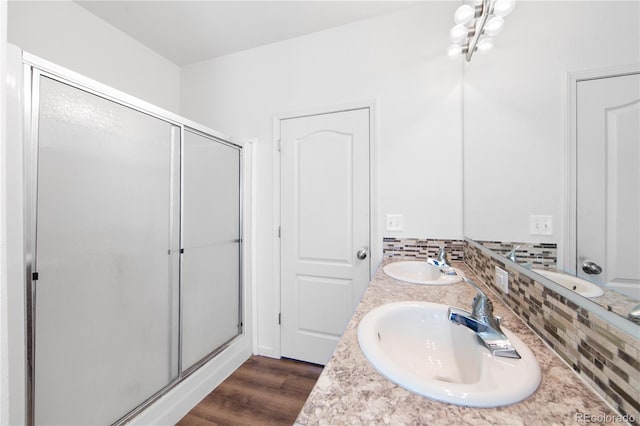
{"x": 418, "y": 248}
{"x": 538, "y": 255}
{"x": 606, "y": 357}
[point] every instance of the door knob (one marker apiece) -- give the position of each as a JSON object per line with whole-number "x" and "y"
{"x": 361, "y": 254}
{"x": 591, "y": 268}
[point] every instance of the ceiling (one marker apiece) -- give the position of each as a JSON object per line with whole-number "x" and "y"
{"x": 185, "y": 32}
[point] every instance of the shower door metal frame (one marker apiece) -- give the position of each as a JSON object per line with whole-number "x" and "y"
{"x": 216, "y": 351}
{"x": 34, "y": 68}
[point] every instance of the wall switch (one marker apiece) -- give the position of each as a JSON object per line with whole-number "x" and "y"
{"x": 502, "y": 280}
{"x": 540, "y": 225}
{"x": 395, "y": 222}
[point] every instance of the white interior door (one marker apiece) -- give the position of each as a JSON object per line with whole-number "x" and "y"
{"x": 608, "y": 181}
{"x": 324, "y": 229}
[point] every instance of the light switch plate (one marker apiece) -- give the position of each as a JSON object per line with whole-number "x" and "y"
{"x": 395, "y": 222}
{"x": 502, "y": 280}
{"x": 540, "y": 225}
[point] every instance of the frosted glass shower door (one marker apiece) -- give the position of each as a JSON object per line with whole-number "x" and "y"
{"x": 211, "y": 241}
{"x": 107, "y": 257}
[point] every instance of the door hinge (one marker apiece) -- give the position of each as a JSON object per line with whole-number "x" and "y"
{"x": 279, "y": 231}
{"x": 34, "y": 276}
{"x": 279, "y": 318}
{"x": 279, "y": 145}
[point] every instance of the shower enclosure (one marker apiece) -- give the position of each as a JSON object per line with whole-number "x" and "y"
{"x": 133, "y": 251}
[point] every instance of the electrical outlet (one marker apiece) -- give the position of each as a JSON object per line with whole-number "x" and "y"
{"x": 502, "y": 280}
{"x": 395, "y": 222}
{"x": 540, "y": 225}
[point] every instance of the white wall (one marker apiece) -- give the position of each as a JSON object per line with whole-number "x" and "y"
{"x": 68, "y": 35}
{"x": 12, "y": 287}
{"x": 515, "y": 109}
{"x": 397, "y": 60}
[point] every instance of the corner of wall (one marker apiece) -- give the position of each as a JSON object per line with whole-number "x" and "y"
{"x": 69, "y": 35}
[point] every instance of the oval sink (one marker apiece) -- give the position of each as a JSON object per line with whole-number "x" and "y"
{"x": 420, "y": 272}
{"x": 578, "y": 285}
{"x": 415, "y": 345}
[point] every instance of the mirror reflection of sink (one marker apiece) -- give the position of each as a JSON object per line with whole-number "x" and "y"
{"x": 420, "y": 272}
{"x": 578, "y": 285}
{"x": 415, "y": 345}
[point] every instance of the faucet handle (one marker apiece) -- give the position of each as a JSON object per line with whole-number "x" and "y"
{"x": 482, "y": 307}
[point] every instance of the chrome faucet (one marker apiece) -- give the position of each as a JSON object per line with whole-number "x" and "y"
{"x": 485, "y": 325}
{"x": 442, "y": 258}
{"x": 443, "y": 263}
{"x": 512, "y": 254}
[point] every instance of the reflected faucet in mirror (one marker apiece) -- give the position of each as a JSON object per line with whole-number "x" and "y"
{"x": 512, "y": 254}
{"x": 512, "y": 257}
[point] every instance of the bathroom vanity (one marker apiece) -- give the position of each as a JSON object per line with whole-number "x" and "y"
{"x": 351, "y": 391}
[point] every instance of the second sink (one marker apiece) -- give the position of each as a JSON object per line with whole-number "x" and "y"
{"x": 420, "y": 272}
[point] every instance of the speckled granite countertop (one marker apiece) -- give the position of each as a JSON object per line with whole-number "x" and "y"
{"x": 350, "y": 391}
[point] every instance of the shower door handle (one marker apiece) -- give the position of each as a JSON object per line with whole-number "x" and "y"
{"x": 591, "y": 268}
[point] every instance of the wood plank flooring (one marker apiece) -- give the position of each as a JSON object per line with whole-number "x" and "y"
{"x": 263, "y": 391}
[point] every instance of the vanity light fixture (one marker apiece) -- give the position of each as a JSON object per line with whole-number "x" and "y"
{"x": 475, "y": 25}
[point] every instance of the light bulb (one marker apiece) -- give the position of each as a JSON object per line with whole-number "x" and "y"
{"x": 503, "y": 7}
{"x": 494, "y": 26}
{"x": 464, "y": 14}
{"x": 454, "y": 50}
{"x": 485, "y": 45}
{"x": 458, "y": 33}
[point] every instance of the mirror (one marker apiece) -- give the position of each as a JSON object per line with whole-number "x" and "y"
{"x": 519, "y": 176}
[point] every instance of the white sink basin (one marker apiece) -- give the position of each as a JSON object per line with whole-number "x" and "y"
{"x": 580, "y": 286}
{"x": 416, "y": 346}
{"x": 420, "y": 272}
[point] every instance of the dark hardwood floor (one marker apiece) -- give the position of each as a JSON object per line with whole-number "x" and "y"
{"x": 263, "y": 391}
